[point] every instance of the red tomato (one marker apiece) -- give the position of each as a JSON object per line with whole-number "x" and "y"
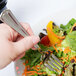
{"x": 45, "y": 41}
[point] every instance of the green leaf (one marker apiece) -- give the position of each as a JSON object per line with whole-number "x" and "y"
{"x": 33, "y": 57}
{"x": 45, "y": 48}
{"x": 68, "y": 26}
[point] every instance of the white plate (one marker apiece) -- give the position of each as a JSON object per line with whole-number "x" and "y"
{"x": 59, "y": 18}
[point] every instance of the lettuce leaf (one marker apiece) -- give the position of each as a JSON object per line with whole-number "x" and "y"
{"x": 70, "y": 41}
{"x": 68, "y": 26}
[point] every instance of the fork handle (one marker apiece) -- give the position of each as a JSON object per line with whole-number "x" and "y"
{"x": 8, "y": 18}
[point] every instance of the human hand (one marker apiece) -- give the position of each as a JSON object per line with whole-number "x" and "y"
{"x": 13, "y": 45}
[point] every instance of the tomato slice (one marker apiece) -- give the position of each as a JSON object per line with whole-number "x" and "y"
{"x": 45, "y": 41}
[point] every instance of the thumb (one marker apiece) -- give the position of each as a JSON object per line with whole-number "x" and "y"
{"x": 26, "y": 43}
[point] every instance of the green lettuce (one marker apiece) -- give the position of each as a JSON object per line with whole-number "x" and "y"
{"x": 70, "y": 41}
{"x": 68, "y": 26}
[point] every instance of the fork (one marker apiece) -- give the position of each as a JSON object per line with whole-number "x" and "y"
{"x": 49, "y": 60}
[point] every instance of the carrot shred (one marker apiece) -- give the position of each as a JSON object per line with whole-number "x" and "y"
{"x": 31, "y": 72}
{"x": 36, "y": 68}
{"x": 41, "y": 73}
{"x": 58, "y": 45}
{"x": 25, "y": 70}
{"x": 66, "y": 50}
{"x": 62, "y": 72}
{"x": 63, "y": 62}
{"x": 61, "y": 58}
{"x": 26, "y": 61}
{"x": 23, "y": 63}
{"x": 41, "y": 63}
{"x": 74, "y": 57}
{"x": 60, "y": 49}
{"x": 66, "y": 58}
{"x": 47, "y": 53}
{"x": 55, "y": 48}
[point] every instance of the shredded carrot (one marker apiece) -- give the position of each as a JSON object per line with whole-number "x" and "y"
{"x": 41, "y": 63}
{"x": 26, "y": 61}
{"x": 63, "y": 62}
{"x": 71, "y": 69}
{"x": 23, "y": 63}
{"x": 47, "y": 53}
{"x": 31, "y": 72}
{"x": 59, "y": 42}
{"x": 60, "y": 49}
{"x": 37, "y": 73}
{"x": 61, "y": 37}
{"x": 41, "y": 73}
{"x": 64, "y": 68}
{"x": 58, "y": 45}
{"x": 55, "y": 48}
{"x": 74, "y": 57}
{"x": 66, "y": 58}
{"x": 61, "y": 58}
{"x": 34, "y": 72}
{"x": 66, "y": 50}
{"x": 62, "y": 72}
{"x": 38, "y": 66}
{"x": 25, "y": 71}
{"x": 23, "y": 74}
{"x": 55, "y": 34}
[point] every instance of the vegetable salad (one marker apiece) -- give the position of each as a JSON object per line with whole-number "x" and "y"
{"x": 61, "y": 41}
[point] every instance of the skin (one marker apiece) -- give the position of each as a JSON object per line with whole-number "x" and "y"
{"x": 13, "y": 45}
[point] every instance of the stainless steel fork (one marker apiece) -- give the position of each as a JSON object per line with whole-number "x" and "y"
{"x": 50, "y": 60}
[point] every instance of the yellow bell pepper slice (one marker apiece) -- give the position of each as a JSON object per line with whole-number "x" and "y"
{"x": 51, "y": 35}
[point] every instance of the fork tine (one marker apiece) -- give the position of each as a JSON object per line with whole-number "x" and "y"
{"x": 50, "y": 63}
{"x": 55, "y": 62}
{"x": 48, "y": 66}
{"x": 53, "y": 56}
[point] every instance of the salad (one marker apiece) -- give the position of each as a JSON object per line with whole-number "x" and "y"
{"x": 61, "y": 41}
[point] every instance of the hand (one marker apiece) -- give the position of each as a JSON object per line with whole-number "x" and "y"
{"x": 13, "y": 45}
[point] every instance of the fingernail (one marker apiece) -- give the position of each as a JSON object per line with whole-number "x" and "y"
{"x": 36, "y": 39}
